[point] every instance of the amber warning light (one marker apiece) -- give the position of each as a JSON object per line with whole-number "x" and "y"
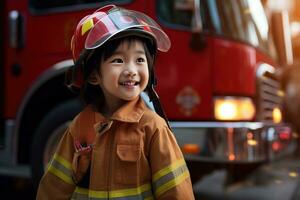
{"x": 190, "y": 149}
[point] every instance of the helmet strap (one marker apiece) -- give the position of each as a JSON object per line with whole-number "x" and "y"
{"x": 154, "y": 98}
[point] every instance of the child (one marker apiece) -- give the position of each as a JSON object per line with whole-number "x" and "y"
{"x": 116, "y": 148}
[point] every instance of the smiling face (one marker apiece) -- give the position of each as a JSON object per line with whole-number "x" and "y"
{"x": 124, "y": 75}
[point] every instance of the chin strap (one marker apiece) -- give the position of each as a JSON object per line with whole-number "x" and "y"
{"x": 154, "y": 98}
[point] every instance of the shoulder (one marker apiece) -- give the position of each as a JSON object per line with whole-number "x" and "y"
{"x": 152, "y": 121}
{"x": 80, "y": 120}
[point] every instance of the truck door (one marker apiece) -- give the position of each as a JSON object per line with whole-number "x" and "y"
{"x": 184, "y": 72}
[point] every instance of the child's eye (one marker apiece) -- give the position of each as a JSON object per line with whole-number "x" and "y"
{"x": 140, "y": 60}
{"x": 117, "y": 60}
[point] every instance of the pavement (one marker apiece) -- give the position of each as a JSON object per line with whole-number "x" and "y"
{"x": 279, "y": 180}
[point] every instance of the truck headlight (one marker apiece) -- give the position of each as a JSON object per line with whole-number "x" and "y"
{"x": 234, "y": 108}
{"x": 277, "y": 116}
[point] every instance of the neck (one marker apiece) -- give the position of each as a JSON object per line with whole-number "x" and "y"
{"x": 110, "y": 107}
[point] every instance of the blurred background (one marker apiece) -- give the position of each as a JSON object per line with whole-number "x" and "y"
{"x": 230, "y": 86}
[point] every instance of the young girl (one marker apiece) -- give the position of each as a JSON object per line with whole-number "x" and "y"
{"x": 116, "y": 148}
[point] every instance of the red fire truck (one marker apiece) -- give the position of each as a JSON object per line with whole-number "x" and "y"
{"x": 217, "y": 82}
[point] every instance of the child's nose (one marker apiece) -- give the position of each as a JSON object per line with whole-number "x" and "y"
{"x": 129, "y": 73}
{"x": 130, "y": 70}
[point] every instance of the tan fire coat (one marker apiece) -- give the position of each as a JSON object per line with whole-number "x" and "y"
{"x": 134, "y": 156}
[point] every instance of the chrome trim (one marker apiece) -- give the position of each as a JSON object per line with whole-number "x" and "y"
{"x": 240, "y": 142}
{"x": 186, "y": 124}
{"x": 17, "y": 171}
{"x": 268, "y": 90}
{"x": 13, "y": 18}
{"x": 51, "y": 72}
{"x": 8, "y": 154}
{"x": 61, "y": 65}
{"x": 263, "y": 68}
{"x": 198, "y": 21}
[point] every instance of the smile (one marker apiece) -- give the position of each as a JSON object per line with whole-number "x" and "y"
{"x": 129, "y": 83}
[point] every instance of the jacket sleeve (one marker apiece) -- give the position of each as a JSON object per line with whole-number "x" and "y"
{"x": 57, "y": 182}
{"x": 170, "y": 175}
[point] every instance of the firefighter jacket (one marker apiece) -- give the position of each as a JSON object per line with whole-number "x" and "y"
{"x": 133, "y": 155}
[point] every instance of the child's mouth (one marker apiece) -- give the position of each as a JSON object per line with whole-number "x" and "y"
{"x": 129, "y": 83}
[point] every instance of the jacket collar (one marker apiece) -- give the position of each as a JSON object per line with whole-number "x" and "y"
{"x": 90, "y": 121}
{"x": 130, "y": 112}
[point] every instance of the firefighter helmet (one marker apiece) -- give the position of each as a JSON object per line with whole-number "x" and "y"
{"x": 106, "y": 23}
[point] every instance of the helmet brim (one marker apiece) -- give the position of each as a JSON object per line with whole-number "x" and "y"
{"x": 120, "y": 21}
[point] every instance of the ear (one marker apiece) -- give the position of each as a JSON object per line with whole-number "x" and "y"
{"x": 94, "y": 78}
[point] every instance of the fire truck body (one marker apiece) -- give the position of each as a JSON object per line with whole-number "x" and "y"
{"x": 233, "y": 69}
{"x": 217, "y": 61}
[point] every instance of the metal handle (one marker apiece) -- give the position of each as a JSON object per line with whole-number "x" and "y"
{"x": 16, "y": 38}
{"x": 197, "y": 17}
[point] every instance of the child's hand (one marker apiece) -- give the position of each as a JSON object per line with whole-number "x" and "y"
{"x": 82, "y": 149}
{"x": 81, "y": 160}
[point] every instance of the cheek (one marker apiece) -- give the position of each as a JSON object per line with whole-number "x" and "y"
{"x": 110, "y": 75}
{"x": 145, "y": 76}
{"x": 110, "y": 83}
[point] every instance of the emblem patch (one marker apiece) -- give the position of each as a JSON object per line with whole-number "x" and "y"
{"x": 188, "y": 99}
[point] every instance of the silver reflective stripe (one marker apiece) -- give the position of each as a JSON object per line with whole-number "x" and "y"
{"x": 77, "y": 196}
{"x": 170, "y": 176}
{"x": 62, "y": 168}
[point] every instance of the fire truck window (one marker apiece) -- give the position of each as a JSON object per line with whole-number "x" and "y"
{"x": 178, "y": 13}
{"x": 50, "y": 4}
{"x": 242, "y": 20}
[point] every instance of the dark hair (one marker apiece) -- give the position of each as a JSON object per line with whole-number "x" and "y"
{"x": 92, "y": 94}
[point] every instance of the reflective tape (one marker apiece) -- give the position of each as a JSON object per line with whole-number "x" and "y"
{"x": 143, "y": 192}
{"x": 168, "y": 169}
{"x": 61, "y": 168}
{"x": 169, "y": 177}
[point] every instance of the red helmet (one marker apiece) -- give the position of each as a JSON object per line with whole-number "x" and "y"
{"x": 95, "y": 29}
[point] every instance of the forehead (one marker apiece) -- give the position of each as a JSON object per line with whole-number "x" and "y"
{"x": 131, "y": 44}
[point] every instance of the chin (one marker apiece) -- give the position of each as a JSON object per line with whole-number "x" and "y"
{"x": 130, "y": 98}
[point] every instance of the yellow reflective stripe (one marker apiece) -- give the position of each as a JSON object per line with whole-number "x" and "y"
{"x": 60, "y": 174}
{"x": 63, "y": 161}
{"x": 87, "y": 25}
{"x": 130, "y": 192}
{"x": 167, "y": 169}
{"x": 98, "y": 194}
{"x": 60, "y": 167}
{"x": 91, "y": 193}
{"x": 116, "y": 193}
{"x": 172, "y": 183}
